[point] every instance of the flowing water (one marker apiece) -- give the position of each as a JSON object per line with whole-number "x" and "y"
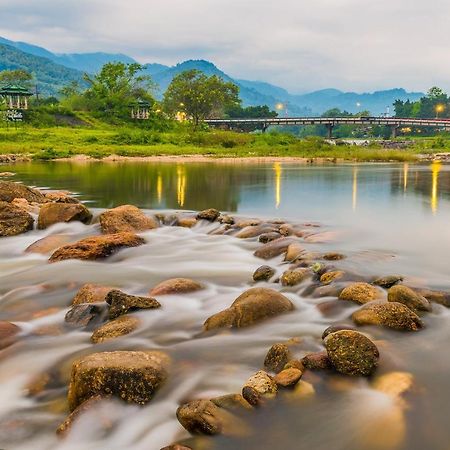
{"x": 387, "y": 219}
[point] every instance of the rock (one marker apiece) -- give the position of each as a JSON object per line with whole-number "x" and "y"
{"x": 274, "y": 248}
{"x": 97, "y": 247}
{"x": 187, "y": 222}
{"x": 317, "y": 361}
{"x": 269, "y": 237}
{"x": 176, "y": 286}
{"x": 52, "y": 213}
{"x": 14, "y": 220}
{"x": 251, "y": 307}
{"x": 119, "y": 327}
{"x": 10, "y": 190}
{"x": 294, "y": 277}
{"x": 6, "y": 174}
{"x": 60, "y": 197}
{"x": 232, "y": 402}
{"x": 48, "y": 244}
{"x": 277, "y": 357}
{"x": 294, "y": 251}
{"x": 32, "y": 208}
{"x": 126, "y": 219}
{"x": 360, "y": 293}
{"x": 334, "y": 328}
{"x": 131, "y": 376}
{"x": 264, "y": 273}
{"x": 177, "y": 447}
{"x": 211, "y": 215}
{"x": 286, "y": 229}
{"x": 91, "y": 293}
{"x": 204, "y": 417}
{"x": 411, "y": 299}
{"x": 122, "y": 303}
{"x": 329, "y": 277}
{"x": 8, "y": 334}
{"x": 352, "y": 353}
{"x": 388, "y": 282}
{"x": 255, "y": 230}
{"x": 394, "y": 384}
{"x": 303, "y": 390}
{"x": 288, "y": 377}
{"x": 295, "y": 364}
{"x": 391, "y": 315}
{"x": 228, "y": 220}
{"x": 439, "y": 297}
{"x": 259, "y": 387}
{"x": 84, "y": 315}
{"x": 333, "y": 257}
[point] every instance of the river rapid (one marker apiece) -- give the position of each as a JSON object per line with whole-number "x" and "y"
{"x": 385, "y": 218}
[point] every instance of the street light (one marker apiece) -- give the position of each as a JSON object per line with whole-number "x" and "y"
{"x": 439, "y": 109}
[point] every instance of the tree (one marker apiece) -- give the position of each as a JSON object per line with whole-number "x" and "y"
{"x": 200, "y": 96}
{"x": 18, "y": 76}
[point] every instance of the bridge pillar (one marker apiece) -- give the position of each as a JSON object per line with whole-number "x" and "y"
{"x": 264, "y": 127}
{"x": 330, "y": 127}
{"x": 394, "y": 131}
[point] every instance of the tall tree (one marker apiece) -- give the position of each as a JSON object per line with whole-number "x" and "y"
{"x": 199, "y": 96}
{"x": 18, "y": 76}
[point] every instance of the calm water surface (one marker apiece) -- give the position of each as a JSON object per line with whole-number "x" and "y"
{"x": 388, "y": 218}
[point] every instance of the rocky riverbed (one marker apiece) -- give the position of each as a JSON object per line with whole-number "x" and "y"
{"x": 208, "y": 321}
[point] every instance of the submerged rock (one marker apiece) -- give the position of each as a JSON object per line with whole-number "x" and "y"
{"x": 411, "y": 299}
{"x": 388, "y": 282}
{"x": 333, "y": 256}
{"x": 251, "y": 307}
{"x": 48, "y": 244}
{"x": 317, "y": 361}
{"x": 126, "y": 219}
{"x": 119, "y": 327}
{"x": 277, "y": 357}
{"x": 294, "y": 277}
{"x": 8, "y": 334}
{"x": 259, "y": 387}
{"x": 131, "y": 376}
{"x": 264, "y": 273}
{"x": 360, "y": 293}
{"x": 87, "y": 314}
{"x": 391, "y": 315}
{"x": 14, "y": 220}
{"x": 52, "y": 213}
{"x": 97, "y": 247}
{"x": 269, "y": 237}
{"x": 187, "y": 222}
{"x": 91, "y": 293}
{"x": 210, "y": 215}
{"x": 176, "y": 286}
{"x": 352, "y": 353}
{"x": 274, "y": 248}
{"x": 122, "y": 303}
{"x": 439, "y": 297}
{"x": 232, "y": 402}
{"x": 10, "y": 190}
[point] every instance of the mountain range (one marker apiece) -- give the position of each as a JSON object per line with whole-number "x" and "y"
{"x": 52, "y": 71}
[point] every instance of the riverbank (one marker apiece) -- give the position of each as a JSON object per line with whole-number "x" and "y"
{"x": 116, "y": 144}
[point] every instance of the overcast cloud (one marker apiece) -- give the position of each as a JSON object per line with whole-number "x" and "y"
{"x": 302, "y": 45}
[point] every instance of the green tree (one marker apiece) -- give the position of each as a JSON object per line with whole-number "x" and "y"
{"x": 18, "y": 76}
{"x": 200, "y": 96}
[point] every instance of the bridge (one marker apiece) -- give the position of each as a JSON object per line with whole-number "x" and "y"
{"x": 395, "y": 123}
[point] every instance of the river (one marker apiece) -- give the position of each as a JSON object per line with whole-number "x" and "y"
{"x": 386, "y": 218}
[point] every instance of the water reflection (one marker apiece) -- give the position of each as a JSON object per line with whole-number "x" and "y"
{"x": 278, "y": 172}
{"x": 435, "y": 169}
{"x": 405, "y": 176}
{"x": 355, "y": 189}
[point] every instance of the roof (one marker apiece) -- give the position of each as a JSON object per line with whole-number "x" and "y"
{"x": 15, "y": 89}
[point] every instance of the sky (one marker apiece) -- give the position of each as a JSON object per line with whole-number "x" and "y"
{"x": 301, "y": 45}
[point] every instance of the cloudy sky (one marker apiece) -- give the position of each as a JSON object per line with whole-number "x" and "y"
{"x": 302, "y": 45}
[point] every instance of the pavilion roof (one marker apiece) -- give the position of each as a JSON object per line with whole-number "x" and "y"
{"x": 15, "y": 89}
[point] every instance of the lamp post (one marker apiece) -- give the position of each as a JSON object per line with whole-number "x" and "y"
{"x": 439, "y": 109}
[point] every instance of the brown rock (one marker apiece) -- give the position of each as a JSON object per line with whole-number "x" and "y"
{"x": 131, "y": 376}
{"x": 259, "y": 387}
{"x": 360, "y": 293}
{"x": 439, "y": 297}
{"x": 117, "y": 328}
{"x": 329, "y": 277}
{"x": 122, "y": 303}
{"x": 288, "y": 377}
{"x": 263, "y": 273}
{"x": 317, "y": 361}
{"x": 8, "y": 334}
{"x": 248, "y": 223}
{"x": 334, "y": 328}
{"x": 187, "y": 222}
{"x": 126, "y": 219}
{"x": 88, "y": 314}
{"x": 253, "y": 231}
{"x": 388, "y": 282}
{"x": 294, "y": 251}
{"x": 228, "y": 220}
{"x": 294, "y": 277}
{"x": 333, "y": 256}
{"x": 269, "y": 237}
{"x": 10, "y": 190}
{"x": 251, "y": 307}
{"x": 52, "y": 213}
{"x": 91, "y": 293}
{"x": 277, "y": 357}
{"x": 210, "y": 215}
{"x": 98, "y": 247}
{"x": 352, "y": 353}
{"x": 391, "y": 315}
{"x": 232, "y": 402}
{"x": 60, "y": 197}
{"x": 274, "y": 248}
{"x": 48, "y": 244}
{"x": 176, "y": 286}
{"x": 405, "y": 295}
{"x": 14, "y": 220}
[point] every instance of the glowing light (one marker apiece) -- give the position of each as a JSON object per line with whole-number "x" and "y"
{"x": 405, "y": 176}
{"x": 440, "y": 108}
{"x": 180, "y": 116}
{"x": 278, "y": 172}
{"x": 181, "y": 185}
{"x": 435, "y": 169}
{"x": 159, "y": 188}
{"x": 355, "y": 189}
{"x": 279, "y": 106}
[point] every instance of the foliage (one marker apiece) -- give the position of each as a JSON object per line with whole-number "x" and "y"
{"x": 17, "y": 76}
{"x": 199, "y": 96}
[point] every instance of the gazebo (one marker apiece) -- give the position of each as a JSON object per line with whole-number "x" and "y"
{"x": 16, "y": 96}
{"x": 140, "y": 110}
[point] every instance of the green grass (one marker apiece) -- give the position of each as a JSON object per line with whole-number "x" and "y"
{"x": 99, "y": 141}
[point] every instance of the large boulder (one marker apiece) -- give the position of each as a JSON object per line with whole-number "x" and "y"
{"x": 391, "y": 315}
{"x": 97, "y": 247}
{"x": 360, "y": 293}
{"x": 251, "y": 307}
{"x": 51, "y": 213}
{"x": 274, "y": 248}
{"x": 410, "y": 298}
{"x": 133, "y": 376}
{"x": 14, "y": 220}
{"x": 122, "y": 303}
{"x": 352, "y": 353}
{"x": 126, "y": 219}
{"x": 10, "y": 190}
{"x": 176, "y": 286}
{"x": 117, "y": 328}
{"x": 91, "y": 293}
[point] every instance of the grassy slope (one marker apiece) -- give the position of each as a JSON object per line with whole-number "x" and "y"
{"x": 49, "y": 143}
